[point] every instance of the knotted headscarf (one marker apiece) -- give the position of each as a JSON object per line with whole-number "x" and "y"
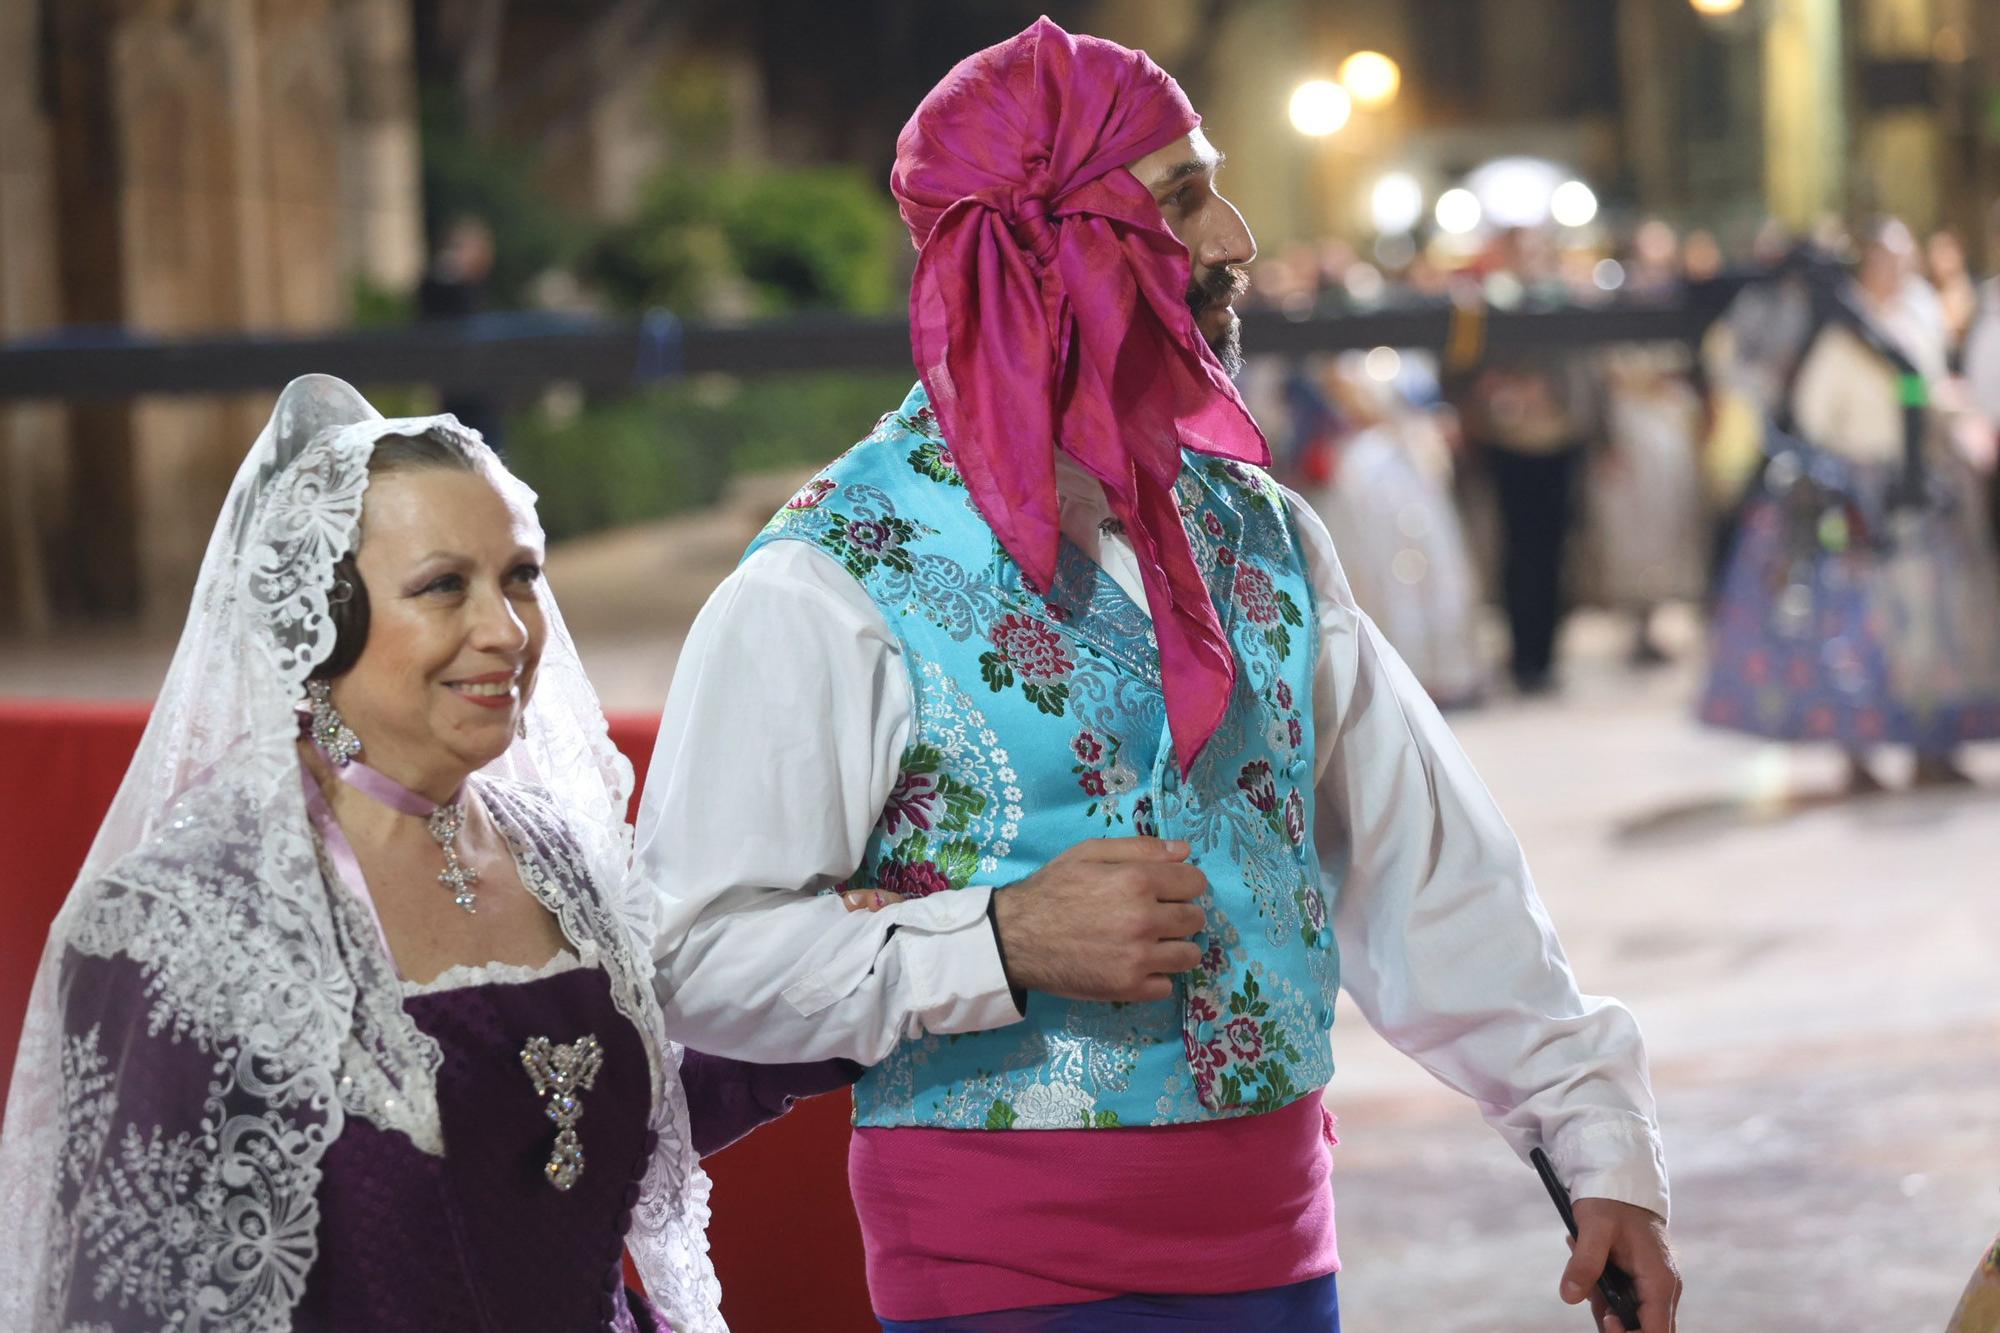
{"x": 1049, "y": 310}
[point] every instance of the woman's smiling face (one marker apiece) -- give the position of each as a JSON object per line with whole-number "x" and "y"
{"x": 455, "y": 627}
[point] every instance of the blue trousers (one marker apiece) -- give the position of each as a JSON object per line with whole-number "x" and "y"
{"x": 1312, "y": 1306}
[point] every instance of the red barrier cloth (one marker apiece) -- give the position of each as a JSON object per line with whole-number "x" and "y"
{"x": 784, "y": 1237}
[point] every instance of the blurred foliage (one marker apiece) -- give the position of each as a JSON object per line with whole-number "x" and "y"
{"x": 377, "y": 307}
{"x": 468, "y": 176}
{"x": 754, "y": 242}
{"x": 712, "y": 237}
{"x": 674, "y": 447}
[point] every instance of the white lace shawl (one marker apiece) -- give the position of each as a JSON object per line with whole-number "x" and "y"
{"x": 189, "y": 1202}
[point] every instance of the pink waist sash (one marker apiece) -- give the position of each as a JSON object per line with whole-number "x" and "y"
{"x": 960, "y": 1222}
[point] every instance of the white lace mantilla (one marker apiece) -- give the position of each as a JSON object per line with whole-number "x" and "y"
{"x": 211, "y": 1007}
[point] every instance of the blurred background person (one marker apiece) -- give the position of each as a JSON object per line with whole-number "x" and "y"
{"x": 1644, "y": 512}
{"x": 455, "y": 287}
{"x": 1859, "y": 605}
{"x": 1529, "y": 415}
{"x": 1384, "y": 489}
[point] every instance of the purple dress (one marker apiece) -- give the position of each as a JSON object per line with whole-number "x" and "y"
{"x": 477, "y": 1239}
{"x": 480, "y": 1239}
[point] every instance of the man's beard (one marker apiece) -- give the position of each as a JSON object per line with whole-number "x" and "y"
{"x": 1217, "y": 287}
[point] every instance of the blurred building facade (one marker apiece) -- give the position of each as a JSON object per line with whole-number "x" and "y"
{"x": 182, "y": 166}
{"x": 179, "y": 167}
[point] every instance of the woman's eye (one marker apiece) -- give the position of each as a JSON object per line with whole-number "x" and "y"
{"x": 1182, "y": 197}
{"x": 446, "y": 583}
{"x": 526, "y": 573}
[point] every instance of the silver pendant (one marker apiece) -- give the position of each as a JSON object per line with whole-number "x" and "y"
{"x": 560, "y": 1073}
{"x": 445, "y": 822}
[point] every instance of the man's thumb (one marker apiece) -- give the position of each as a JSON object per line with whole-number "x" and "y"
{"x": 1588, "y": 1254}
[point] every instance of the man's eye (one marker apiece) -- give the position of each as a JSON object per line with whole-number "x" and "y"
{"x": 1182, "y": 197}
{"x": 446, "y": 583}
{"x": 527, "y": 573}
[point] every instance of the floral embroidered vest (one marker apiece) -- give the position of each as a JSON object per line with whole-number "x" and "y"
{"x": 1040, "y": 723}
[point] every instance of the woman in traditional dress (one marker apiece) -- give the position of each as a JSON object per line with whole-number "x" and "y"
{"x": 1386, "y": 499}
{"x": 1859, "y": 603}
{"x": 349, "y": 1021}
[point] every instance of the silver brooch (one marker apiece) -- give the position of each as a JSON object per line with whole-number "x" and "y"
{"x": 559, "y": 1073}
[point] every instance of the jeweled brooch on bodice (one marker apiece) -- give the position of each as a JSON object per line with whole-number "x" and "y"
{"x": 559, "y": 1074}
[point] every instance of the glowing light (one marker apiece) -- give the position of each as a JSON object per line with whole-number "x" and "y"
{"x": 1458, "y": 211}
{"x": 1371, "y": 78}
{"x": 1320, "y": 108}
{"x": 1716, "y": 8}
{"x": 1609, "y": 275}
{"x": 1573, "y": 204}
{"x": 1383, "y": 364}
{"x": 1515, "y": 191}
{"x": 1396, "y": 202}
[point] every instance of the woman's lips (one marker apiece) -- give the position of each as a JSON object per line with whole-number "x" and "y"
{"x": 496, "y": 689}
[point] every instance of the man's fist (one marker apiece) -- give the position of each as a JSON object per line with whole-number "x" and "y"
{"x": 1109, "y": 919}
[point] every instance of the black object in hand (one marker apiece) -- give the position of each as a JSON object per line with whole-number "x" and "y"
{"x": 1614, "y": 1284}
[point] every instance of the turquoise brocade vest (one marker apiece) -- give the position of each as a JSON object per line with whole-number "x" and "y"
{"x": 1039, "y": 723}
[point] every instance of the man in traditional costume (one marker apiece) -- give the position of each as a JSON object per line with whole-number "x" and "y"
{"x": 1049, "y": 655}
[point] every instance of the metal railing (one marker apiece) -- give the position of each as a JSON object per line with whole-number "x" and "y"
{"x": 513, "y": 356}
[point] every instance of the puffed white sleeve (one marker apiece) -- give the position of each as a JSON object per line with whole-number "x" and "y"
{"x": 778, "y": 748}
{"x": 1444, "y": 942}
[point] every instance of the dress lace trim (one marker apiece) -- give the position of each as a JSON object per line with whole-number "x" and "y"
{"x": 462, "y": 976}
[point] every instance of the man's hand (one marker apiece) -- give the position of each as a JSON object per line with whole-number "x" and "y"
{"x": 1107, "y": 920}
{"x": 1637, "y": 1241}
{"x": 869, "y": 900}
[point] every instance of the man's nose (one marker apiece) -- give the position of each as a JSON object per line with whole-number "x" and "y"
{"x": 1230, "y": 242}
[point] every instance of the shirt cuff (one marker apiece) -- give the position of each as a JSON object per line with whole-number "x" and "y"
{"x": 953, "y": 954}
{"x": 1619, "y": 1159}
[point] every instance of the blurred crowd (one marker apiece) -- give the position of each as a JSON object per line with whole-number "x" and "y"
{"x": 1817, "y": 474}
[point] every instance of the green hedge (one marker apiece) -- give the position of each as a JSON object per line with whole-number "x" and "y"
{"x": 675, "y": 447}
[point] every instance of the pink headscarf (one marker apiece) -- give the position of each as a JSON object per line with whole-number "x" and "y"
{"x": 1049, "y": 308}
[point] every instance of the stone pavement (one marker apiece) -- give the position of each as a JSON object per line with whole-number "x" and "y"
{"x": 1819, "y": 982}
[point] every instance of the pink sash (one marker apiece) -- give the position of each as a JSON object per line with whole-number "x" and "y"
{"x": 960, "y": 1222}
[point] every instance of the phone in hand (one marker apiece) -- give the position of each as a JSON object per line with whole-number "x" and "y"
{"x": 1614, "y": 1284}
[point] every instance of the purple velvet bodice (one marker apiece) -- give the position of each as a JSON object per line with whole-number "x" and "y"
{"x": 479, "y": 1239}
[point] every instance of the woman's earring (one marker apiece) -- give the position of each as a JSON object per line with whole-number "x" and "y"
{"x": 521, "y": 726}
{"x": 330, "y": 731}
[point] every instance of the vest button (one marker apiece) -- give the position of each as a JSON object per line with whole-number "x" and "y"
{"x": 1204, "y": 1032}
{"x": 1325, "y": 937}
{"x": 1326, "y": 1016}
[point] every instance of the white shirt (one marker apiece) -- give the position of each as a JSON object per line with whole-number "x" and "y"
{"x": 783, "y": 732}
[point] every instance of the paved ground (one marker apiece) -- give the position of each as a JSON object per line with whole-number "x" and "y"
{"x": 1819, "y": 981}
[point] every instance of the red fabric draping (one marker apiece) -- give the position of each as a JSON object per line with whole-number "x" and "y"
{"x": 784, "y": 1236}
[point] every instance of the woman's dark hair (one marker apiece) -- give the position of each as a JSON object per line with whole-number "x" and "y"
{"x": 347, "y": 599}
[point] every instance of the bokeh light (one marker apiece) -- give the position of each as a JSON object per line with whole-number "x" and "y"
{"x": 1396, "y": 203}
{"x": 1458, "y": 211}
{"x": 1573, "y": 204}
{"x": 1320, "y": 108}
{"x": 1371, "y": 78}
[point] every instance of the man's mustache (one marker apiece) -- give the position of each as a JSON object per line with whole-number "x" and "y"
{"x": 1218, "y": 286}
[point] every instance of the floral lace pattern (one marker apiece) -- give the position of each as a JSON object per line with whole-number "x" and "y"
{"x": 211, "y": 1007}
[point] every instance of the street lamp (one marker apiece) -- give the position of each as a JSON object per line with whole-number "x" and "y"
{"x": 1320, "y": 108}
{"x": 1371, "y": 78}
{"x": 1716, "y": 8}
